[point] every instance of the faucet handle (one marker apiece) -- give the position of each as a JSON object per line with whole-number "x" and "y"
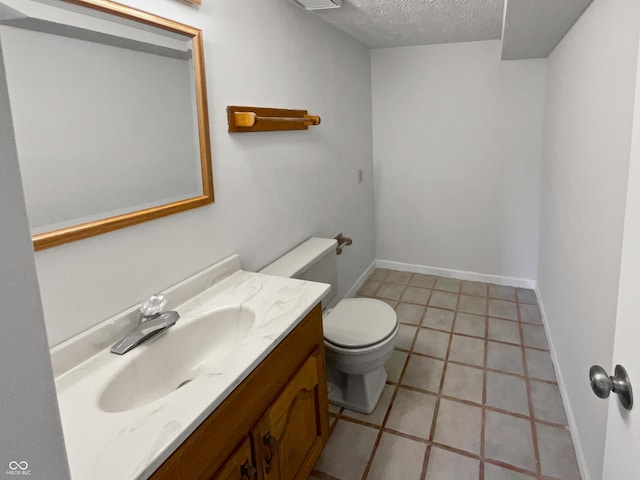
{"x": 153, "y": 305}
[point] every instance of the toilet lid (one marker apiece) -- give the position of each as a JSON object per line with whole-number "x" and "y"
{"x": 359, "y": 322}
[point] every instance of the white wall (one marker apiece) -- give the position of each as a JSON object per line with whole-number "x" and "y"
{"x": 456, "y": 140}
{"x": 590, "y": 93}
{"x": 30, "y": 429}
{"x": 273, "y": 190}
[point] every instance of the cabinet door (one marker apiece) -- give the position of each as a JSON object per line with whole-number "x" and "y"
{"x": 239, "y": 466}
{"x": 290, "y": 435}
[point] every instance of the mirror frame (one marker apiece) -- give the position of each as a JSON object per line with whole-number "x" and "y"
{"x": 97, "y": 227}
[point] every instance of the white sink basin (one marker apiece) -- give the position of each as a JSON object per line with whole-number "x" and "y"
{"x": 191, "y": 348}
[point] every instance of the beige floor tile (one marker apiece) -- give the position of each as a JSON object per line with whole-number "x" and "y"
{"x": 438, "y": 318}
{"x": 469, "y": 304}
{"x": 424, "y": 373}
{"x": 432, "y": 342}
{"x": 557, "y": 456}
{"x": 503, "y": 309}
{"x": 443, "y": 300}
{"x": 463, "y": 382}
{"x": 390, "y": 291}
{"x": 377, "y": 416}
{"x": 506, "y": 358}
{"x": 467, "y": 350}
{"x": 445, "y": 465}
{"x": 392, "y": 303}
{"x": 395, "y": 276}
{"x": 397, "y": 458}
{"x": 424, "y": 281}
{"x": 534, "y": 336}
{"x": 474, "y": 288}
{"x": 405, "y": 337}
{"x": 469, "y": 324}
{"x": 510, "y": 440}
{"x": 448, "y": 284}
{"x": 459, "y": 426}
{"x": 494, "y": 472}
{"x": 409, "y": 313}
{"x": 503, "y": 292}
{"x": 539, "y": 365}
{"x": 526, "y": 295}
{"x": 504, "y": 331}
{"x": 349, "y": 437}
{"x": 412, "y": 413}
{"x": 530, "y": 314}
{"x": 395, "y": 364}
{"x": 379, "y": 274}
{"x": 369, "y": 288}
{"x": 547, "y": 402}
{"x": 507, "y": 392}
{"x": 416, "y": 295}
{"x": 334, "y": 409}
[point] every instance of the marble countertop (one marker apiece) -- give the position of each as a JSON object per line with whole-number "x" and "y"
{"x": 132, "y": 444}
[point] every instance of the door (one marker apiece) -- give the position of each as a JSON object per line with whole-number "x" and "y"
{"x": 291, "y": 433}
{"x": 239, "y": 466}
{"x": 621, "y": 460}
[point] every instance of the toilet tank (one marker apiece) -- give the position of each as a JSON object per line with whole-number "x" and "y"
{"x": 313, "y": 260}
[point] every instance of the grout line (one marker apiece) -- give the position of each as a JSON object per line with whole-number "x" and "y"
{"x": 441, "y": 446}
{"x": 508, "y": 466}
{"x": 436, "y": 407}
{"x": 470, "y": 403}
{"x": 365, "y": 473}
{"x": 484, "y": 389}
{"x": 457, "y": 362}
{"x": 534, "y": 434}
{"x": 322, "y": 475}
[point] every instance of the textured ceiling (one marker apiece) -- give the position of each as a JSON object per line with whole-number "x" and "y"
{"x": 397, "y": 23}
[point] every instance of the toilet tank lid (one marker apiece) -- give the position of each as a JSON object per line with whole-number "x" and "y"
{"x": 303, "y": 256}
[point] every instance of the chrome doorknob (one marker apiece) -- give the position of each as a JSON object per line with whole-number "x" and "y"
{"x": 602, "y": 384}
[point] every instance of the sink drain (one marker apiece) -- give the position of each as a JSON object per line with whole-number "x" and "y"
{"x": 183, "y": 383}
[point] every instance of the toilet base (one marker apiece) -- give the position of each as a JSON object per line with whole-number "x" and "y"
{"x": 359, "y": 393}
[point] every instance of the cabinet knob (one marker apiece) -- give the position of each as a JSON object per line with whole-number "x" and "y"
{"x": 270, "y": 443}
{"x": 270, "y": 440}
{"x": 248, "y": 471}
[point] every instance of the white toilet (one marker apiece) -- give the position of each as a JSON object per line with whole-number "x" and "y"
{"x": 359, "y": 333}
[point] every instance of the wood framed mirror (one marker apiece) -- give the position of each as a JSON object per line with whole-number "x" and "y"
{"x": 109, "y": 108}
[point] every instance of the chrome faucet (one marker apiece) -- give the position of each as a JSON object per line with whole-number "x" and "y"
{"x": 152, "y": 322}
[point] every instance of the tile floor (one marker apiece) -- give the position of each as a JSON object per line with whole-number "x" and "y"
{"x": 471, "y": 391}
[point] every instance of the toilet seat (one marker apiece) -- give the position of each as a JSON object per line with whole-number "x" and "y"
{"x": 359, "y": 323}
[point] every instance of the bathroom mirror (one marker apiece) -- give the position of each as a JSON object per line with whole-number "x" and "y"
{"x": 110, "y": 115}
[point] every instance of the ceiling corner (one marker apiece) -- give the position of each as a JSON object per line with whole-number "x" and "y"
{"x": 532, "y": 29}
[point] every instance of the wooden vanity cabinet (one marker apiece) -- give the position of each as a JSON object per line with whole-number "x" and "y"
{"x": 273, "y": 426}
{"x": 240, "y": 465}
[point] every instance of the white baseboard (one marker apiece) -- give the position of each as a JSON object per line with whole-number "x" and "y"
{"x": 573, "y": 426}
{"x": 360, "y": 281}
{"x": 459, "y": 274}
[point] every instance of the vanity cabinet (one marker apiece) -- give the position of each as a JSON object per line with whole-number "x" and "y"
{"x": 240, "y": 465}
{"x": 273, "y": 426}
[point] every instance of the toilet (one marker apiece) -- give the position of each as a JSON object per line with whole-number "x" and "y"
{"x": 359, "y": 333}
